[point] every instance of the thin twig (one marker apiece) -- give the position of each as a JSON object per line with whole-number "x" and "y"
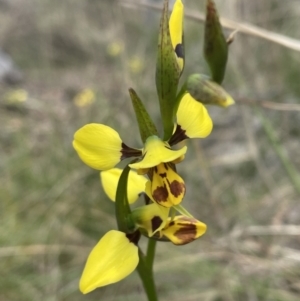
{"x": 288, "y": 230}
{"x": 270, "y": 104}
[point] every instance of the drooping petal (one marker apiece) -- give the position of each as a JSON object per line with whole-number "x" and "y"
{"x": 155, "y": 152}
{"x": 176, "y": 32}
{"x": 166, "y": 187}
{"x": 101, "y": 147}
{"x": 193, "y": 118}
{"x": 182, "y": 229}
{"x": 112, "y": 259}
{"x": 135, "y": 186}
{"x": 151, "y": 217}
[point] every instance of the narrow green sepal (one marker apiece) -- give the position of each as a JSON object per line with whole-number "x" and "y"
{"x": 167, "y": 74}
{"x": 122, "y": 208}
{"x": 215, "y": 45}
{"x": 204, "y": 90}
{"x": 146, "y": 125}
{"x": 182, "y": 210}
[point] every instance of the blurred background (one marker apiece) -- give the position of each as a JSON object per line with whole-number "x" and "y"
{"x": 67, "y": 63}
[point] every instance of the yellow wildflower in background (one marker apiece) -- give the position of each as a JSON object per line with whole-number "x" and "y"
{"x": 84, "y": 98}
{"x": 115, "y": 48}
{"x": 16, "y": 96}
{"x": 136, "y": 65}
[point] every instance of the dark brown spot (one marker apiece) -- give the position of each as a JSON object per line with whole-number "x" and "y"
{"x": 177, "y": 188}
{"x": 166, "y": 166}
{"x": 163, "y": 175}
{"x": 134, "y": 237}
{"x": 127, "y": 152}
{"x": 150, "y": 173}
{"x": 179, "y": 51}
{"x": 172, "y": 223}
{"x": 179, "y": 135}
{"x": 172, "y": 166}
{"x": 186, "y": 234}
{"x": 155, "y": 223}
{"x": 160, "y": 194}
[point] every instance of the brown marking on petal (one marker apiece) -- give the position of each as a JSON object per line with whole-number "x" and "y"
{"x": 163, "y": 175}
{"x": 128, "y": 152}
{"x": 150, "y": 173}
{"x": 186, "y": 234}
{"x": 176, "y": 188}
{"x": 179, "y": 51}
{"x": 171, "y": 224}
{"x": 134, "y": 237}
{"x": 166, "y": 166}
{"x": 178, "y": 136}
{"x": 172, "y": 166}
{"x": 160, "y": 194}
{"x": 155, "y": 223}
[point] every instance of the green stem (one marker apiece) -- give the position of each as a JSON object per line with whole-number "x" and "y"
{"x": 288, "y": 166}
{"x": 146, "y": 274}
{"x": 151, "y": 252}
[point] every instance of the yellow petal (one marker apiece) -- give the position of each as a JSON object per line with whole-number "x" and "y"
{"x": 112, "y": 259}
{"x": 151, "y": 217}
{"x": 167, "y": 187}
{"x": 182, "y": 229}
{"x": 135, "y": 186}
{"x": 98, "y": 146}
{"x": 176, "y": 31}
{"x": 155, "y": 152}
{"x": 193, "y": 118}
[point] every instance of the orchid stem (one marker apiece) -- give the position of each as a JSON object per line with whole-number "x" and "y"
{"x": 145, "y": 271}
{"x": 151, "y": 253}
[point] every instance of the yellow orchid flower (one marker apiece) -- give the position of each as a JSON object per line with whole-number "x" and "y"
{"x": 113, "y": 258}
{"x": 101, "y": 147}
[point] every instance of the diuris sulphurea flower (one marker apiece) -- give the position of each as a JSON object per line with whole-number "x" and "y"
{"x": 152, "y": 173}
{"x": 100, "y": 147}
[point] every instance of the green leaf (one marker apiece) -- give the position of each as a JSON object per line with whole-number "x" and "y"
{"x": 215, "y": 45}
{"x": 122, "y": 208}
{"x": 167, "y": 75}
{"x": 146, "y": 125}
{"x": 204, "y": 90}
